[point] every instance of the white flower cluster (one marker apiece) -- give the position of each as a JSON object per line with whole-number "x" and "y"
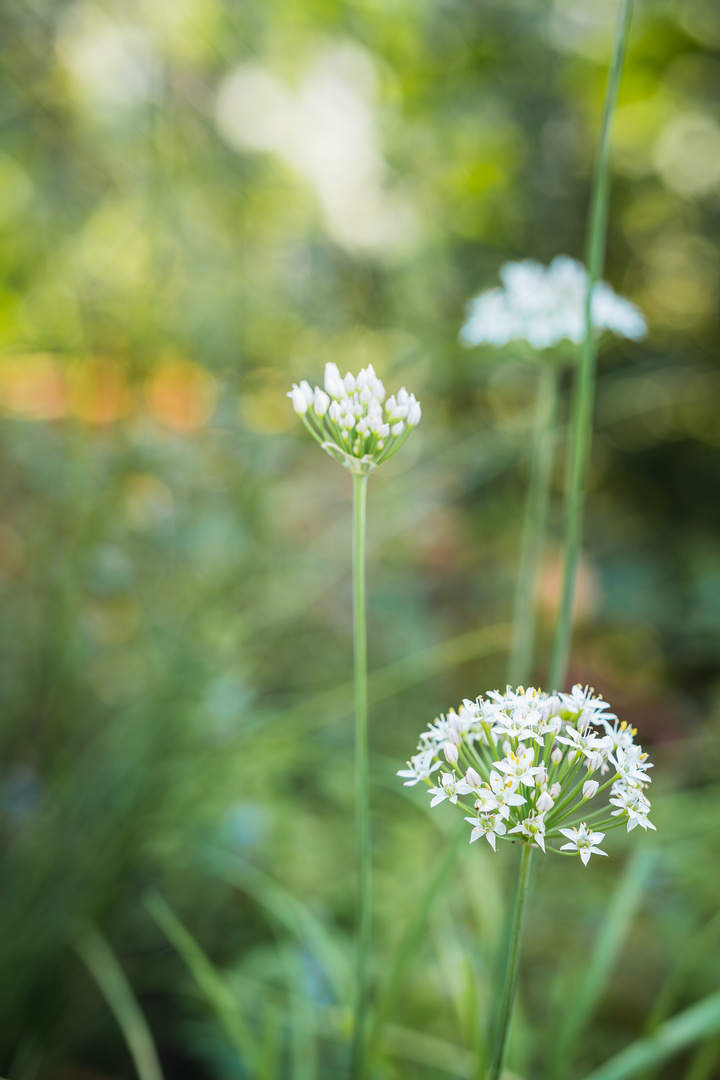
{"x": 542, "y": 305}
{"x": 352, "y": 419}
{"x": 523, "y": 763}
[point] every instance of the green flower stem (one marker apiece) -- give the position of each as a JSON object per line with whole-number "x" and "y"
{"x": 554, "y": 820}
{"x": 513, "y": 963}
{"x": 585, "y": 380}
{"x": 534, "y": 526}
{"x": 575, "y": 496}
{"x": 358, "y": 1063}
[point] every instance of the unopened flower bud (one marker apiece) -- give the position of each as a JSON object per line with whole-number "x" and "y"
{"x": 299, "y": 401}
{"x": 307, "y": 390}
{"x": 544, "y": 802}
{"x": 556, "y": 756}
{"x": 451, "y": 752}
{"x": 414, "y": 415}
{"x": 473, "y": 778}
{"x": 541, "y": 778}
{"x": 321, "y": 402}
{"x": 397, "y": 429}
{"x": 333, "y": 381}
{"x": 590, "y": 788}
{"x": 555, "y": 790}
{"x": 594, "y": 762}
{"x": 349, "y": 383}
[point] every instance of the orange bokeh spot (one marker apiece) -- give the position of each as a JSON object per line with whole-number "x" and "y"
{"x": 99, "y": 392}
{"x": 32, "y": 387}
{"x": 181, "y": 395}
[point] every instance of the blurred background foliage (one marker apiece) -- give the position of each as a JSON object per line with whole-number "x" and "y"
{"x": 200, "y": 201}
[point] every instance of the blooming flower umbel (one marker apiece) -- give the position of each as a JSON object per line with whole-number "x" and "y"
{"x": 525, "y": 765}
{"x": 352, "y": 418}
{"x": 544, "y": 304}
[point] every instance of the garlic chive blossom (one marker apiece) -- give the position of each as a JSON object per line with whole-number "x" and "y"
{"x": 544, "y": 304}
{"x": 520, "y": 765}
{"x": 353, "y": 420}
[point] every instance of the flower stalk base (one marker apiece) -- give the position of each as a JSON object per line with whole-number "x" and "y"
{"x": 512, "y": 965}
{"x": 358, "y": 1064}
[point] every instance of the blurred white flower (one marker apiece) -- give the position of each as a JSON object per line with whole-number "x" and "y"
{"x": 545, "y": 304}
{"x": 325, "y": 129}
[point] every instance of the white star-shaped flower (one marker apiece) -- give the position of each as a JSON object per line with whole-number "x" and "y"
{"x": 584, "y": 841}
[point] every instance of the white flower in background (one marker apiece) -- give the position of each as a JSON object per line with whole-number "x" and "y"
{"x": 351, "y": 419}
{"x": 546, "y": 304}
{"x": 584, "y": 841}
{"x": 550, "y": 742}
{"x": 325, "y": 128}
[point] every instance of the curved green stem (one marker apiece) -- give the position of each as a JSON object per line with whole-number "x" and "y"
{"x": 582, "y": 412}
{"x": 512, "y": 965}
{"x": 534, "y": 526}
{"x": 358, "y": 1062}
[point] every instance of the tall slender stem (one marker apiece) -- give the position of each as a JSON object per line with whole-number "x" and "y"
{"x": 512, "y": 964}
{"x": 585, "y": 381}
{"x": 362, "y": 783}
{"x": 534, "y": 526}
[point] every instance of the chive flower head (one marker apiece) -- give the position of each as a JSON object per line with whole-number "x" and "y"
{"x": 533, "y": 766}
{"x": 352, "y": 418}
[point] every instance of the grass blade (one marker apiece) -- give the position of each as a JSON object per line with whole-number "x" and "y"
{"x": 214, "y": 987}
{"x": 670, "y": 1038}
{"x": 704, "y": 1062}
{"x": 414, "y": 933}
{"x": 286, "y": 911}
{"x": 608, "y": 944}
{"x": 105, "y": 969}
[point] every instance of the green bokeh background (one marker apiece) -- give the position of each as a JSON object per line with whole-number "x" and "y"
{"x": 200, "y": 202}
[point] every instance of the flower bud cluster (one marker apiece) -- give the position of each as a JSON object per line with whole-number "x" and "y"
{"x": 527, "y": 763}
{"x": 352, "y": 419}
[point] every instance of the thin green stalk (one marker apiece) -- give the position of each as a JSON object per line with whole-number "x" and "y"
{"x": 105, "y": 969}
{"x": 585, "y": 380}
{"x": 358, "y": 1063}
{"x": 534, "y": 526}
{"x": 512, "y": 965}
